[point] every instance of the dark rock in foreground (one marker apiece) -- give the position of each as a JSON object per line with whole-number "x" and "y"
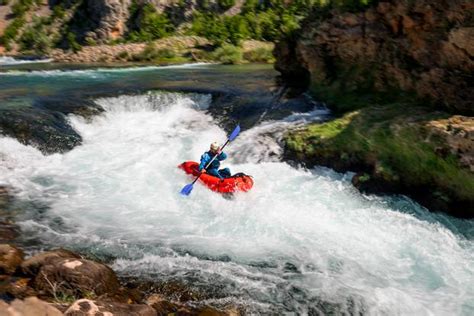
{"x": 70, "y": 285}
{"x": 31, "y": 306}
{"x": 85, "y": 307}
{"x": 76, "y": 277}
{"x": 10, "y": 259}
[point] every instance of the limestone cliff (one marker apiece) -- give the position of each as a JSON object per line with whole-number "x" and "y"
{"x": 426, "y": 47}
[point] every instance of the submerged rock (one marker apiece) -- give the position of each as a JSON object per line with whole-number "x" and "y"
{"x": 10, "y": 258}
{"x": 48, "y": 131}
{"x": 81, "y": 107}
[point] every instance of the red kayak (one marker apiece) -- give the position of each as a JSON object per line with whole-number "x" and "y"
{"x": 238, "y": 182}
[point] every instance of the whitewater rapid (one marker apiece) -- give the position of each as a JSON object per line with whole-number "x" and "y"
{"x": 303, "y": 241}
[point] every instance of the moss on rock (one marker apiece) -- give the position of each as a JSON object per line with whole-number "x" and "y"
{"x": 395, "y": 150}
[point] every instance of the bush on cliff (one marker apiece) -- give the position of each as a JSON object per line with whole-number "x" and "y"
{"x": 35, "y": 40}
{"x": 149, "y": 24}
{"x": 226, "y": 4}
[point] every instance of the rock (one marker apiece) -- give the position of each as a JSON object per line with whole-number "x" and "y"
{"x": 426, "y": 48}
{"x": 16, "y": 287}
{"x": 10, "y": 258}
{"x": 32, "y": 265}
{"x": 81, "y": 107}
{"x": 8, "y": 231}
{"x": 76, "y": 277}
{"x": 165, "y": 307}
{"x": 162, "y": 305}
{"x": 47, "y": 130}
{"x": 109, "y": 17}
{"x": 457, "y": 134}
{"x": 31, "y": 306}
{"x": 85, "y": 307}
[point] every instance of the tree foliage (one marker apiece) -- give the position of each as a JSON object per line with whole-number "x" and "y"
{"x": 149, "y": 24}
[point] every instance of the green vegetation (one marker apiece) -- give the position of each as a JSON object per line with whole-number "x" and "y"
{"x": 4, "y": 2}
{"x": 260, "y": 55}
{"x": 22, "y": 6}
{"x": 269, "y": 20}
{"x": 11, "y": 31}
{"x": 393, "y": 141}
{"x": 72, "y": 42}
{"x": 35, "y": 39}
{"x": 150, "y": 25}
{"x": 226, "y": 4}
{"x": 228, "y": 54}
{"x": 151, "y": 53}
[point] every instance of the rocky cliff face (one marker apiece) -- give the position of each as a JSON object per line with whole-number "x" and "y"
{"x": 426, "y": 47}
{"x": 109, "y": 18}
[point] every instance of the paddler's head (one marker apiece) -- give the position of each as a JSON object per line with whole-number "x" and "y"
{"x": 214, "y": 147}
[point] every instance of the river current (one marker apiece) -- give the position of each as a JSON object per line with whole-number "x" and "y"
{"x": 301, "y": 241}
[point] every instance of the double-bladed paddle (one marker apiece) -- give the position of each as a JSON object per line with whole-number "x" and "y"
{"x": 189, "y": 187}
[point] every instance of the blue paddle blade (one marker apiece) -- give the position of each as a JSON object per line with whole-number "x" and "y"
{"x": 187, "y": 189}
{"x": 234, "y": 134}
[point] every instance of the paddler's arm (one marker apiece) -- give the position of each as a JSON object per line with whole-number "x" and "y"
{"x": 204, "y": 162}
{"x": 222, "y": 156}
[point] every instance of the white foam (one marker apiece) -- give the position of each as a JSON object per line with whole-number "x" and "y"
{"x": 98, "y": 72}
{"x": 5, "y": 60}
{"x": 296, "y": 237}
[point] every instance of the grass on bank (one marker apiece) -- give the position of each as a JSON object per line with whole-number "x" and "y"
{"x": 393, "y": 138}
{"x": 225, "y": 54}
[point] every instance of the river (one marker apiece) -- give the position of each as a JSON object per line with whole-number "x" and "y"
{"x": 301, "y": 241}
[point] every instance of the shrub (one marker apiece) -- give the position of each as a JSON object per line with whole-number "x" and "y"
{"x": 260, "y": 55}
{"x": 151, "y": 25}
{"x": 226, "y": 4}
{"x": 123, "y": 55}
{"x": 4, "y": 2}
{"x": 35, "y": 39}
{"x": 58, "y": 12}
{"x": 228, "y": 54}
{"x": 11, "y": 31}
{"x": 72, "y": 42}
{"x": 90, "y": 41}
{"x": 152, "y": 53}
{"x": 21, "y": 6}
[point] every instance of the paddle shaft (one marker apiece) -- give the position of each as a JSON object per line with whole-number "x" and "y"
{"x": 215, "y": 156}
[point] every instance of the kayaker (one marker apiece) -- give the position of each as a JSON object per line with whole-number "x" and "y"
{"x": 213, "y": 169}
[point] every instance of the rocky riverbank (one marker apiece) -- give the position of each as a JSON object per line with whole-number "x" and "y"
{"x": 396, "y": 76}
{"x": 61, "y": 282}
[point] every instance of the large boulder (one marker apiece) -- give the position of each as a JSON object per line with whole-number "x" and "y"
{"x": 32, "y": 265}
{"x": 10, "y": 258}
{"x": 31, "y": 306}
{"x": 85, "y": 307}
{"x": 76, "y": 277}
